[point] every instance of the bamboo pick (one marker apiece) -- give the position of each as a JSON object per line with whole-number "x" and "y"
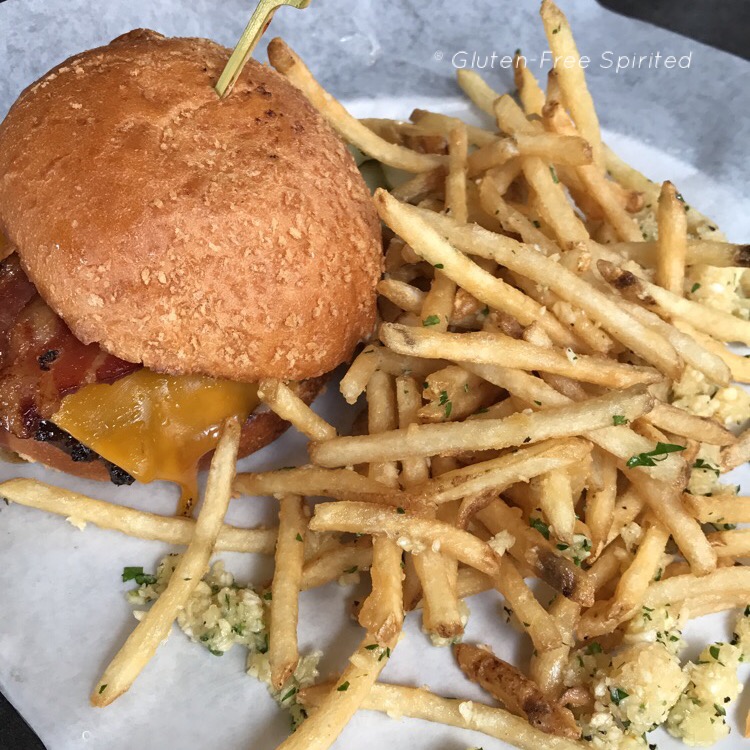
{"x": 254, "y": 30}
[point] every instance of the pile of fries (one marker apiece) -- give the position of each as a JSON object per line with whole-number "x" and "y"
{"x": 518, "y": 418}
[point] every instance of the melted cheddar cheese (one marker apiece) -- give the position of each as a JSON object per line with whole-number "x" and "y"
{"x": 155, "y": 426}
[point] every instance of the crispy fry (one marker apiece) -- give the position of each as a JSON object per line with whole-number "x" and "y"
{"x": 473, "y": 85}
{"x": 716, "y": 323}
{"x": 419, "y": 703}
{"x": 697, "y": 252}
{"x": 719, "y": 510}
{"x": 465, "y": 272}
{"x": 529, "y": 91}
{"x": 352, "y": 130}
{"x": 515, "y": 691}
{"x": 572, "y": 79}
{"x": 341, "y": 699}
{"x": 154, "y": 628}
{"x": 672, "y": 241}
{"x": 332, "y": 564}
{"x": 289, "y": 406}
{"x": 175, "y": 530}
{"x": 283, "y": 653}
{"x": 453, "y": 438}
{"x": 489, "y": 348}
{"x": 737, "y": 454}
{"x": 410, "y": 531}
{"x": 567, "y": 285}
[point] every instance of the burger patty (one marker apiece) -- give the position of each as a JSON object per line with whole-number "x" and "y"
{"x": 41, "y": 361}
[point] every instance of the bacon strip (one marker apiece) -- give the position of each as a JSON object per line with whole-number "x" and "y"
{"x": 41, "y": 361}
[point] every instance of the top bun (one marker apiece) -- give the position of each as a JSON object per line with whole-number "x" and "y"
{"x": 233, "y": 238}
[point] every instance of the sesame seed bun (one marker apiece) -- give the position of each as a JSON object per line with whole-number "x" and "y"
{"x": 232, "y": 238}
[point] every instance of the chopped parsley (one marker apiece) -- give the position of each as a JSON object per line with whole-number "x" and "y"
{"x": 400, "y": 511}
{"x": 351, "y": 570}
{"x": 102, "y": 688}
{"x": 298, "y": 537}
{"x": 555, "y": 178}
{"x": 137, "y": 575}
{"x": 617, "y": 694}
{"x": 695, "y": 288}
{"x": 343, "y": 687}
{"x": 594, "y": 648}
{"x": 540, "y": 526}
{"x": 650, "y": 458}
{"x": 701, "y": 464}
{"x": 439, "y": 265}
{"x": 431, "y": 320}
{"x": 618, "y": 419}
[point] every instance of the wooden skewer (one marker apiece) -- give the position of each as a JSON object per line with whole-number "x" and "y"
{"x": 254, "y": 30}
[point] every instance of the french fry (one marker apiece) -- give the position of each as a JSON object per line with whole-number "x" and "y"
{"x": 529, "y": 91}
{"x": 473, "y": 85}
{"x": 697, "y": 252}
{"x": 175, "y": 530}
{"x": 565, "y": 284}
{"x": 418, "y": 703}
{"x": 332, "y": 564}
{"x": 497, "y": 349}
{"x": 719, "y": 510}
{"x": 672, "y": 241}
{"x": 154, "y": 628}
{"x": 382, "y": 612}
{"x": 689, "y": 344}
{"x": 283, "y": 653}
{"x": 532, "y": 549}
{"x": 666, "y": 504}
{"x": 725, "y": 583}
{"x": 714, "y": 322}
{"x": 731, "y": 543}
{"x": 413, "y": 532}
{"x": 441, "y": 614}
{"x": 554, "y": 494}
{"x": 683, "y": 423}
{"x": 438, "y": 123}
{"x": 453, "y": 438}
{"x": 737, "y": 454}
{"x": 546, "y": 668}
{"x": 515, "y": 691}
{"x": 572, "y": 79}
{"x": 352, "y": 130}
{"x": 465, "y": 272}
{"x": 310, "y": 480}
{"x": 736, "y": 368}
{"x": 281, "y": 399}
{"x": 342, "y": 699}
{"x": 631, "y": 588}
{"x": 592, "y": 179}
{"x": 600, "y": 503}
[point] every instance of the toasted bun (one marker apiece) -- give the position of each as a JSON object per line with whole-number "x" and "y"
{"x": 233, "y": 238}
{"x": 261, "y": 428}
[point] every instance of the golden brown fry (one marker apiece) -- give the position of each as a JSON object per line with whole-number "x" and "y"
{"x": 473, "y": 85}
{"x": 281, "y": 399}
{"x": 737, "y": 454}
{"x": 154, "y": 628}
{"x": 571, "y": 77}
{"x": 719, "y": 510}
{"x": 443, "y": 124}
{"x": 411, "y": 532}
{"x": 554, "y": 495}
{"x": 736, "y": 367}
{"x": 175, "y": 530}
{"x": 340, "y": 700}
{"x": 714, "y": 322}
{"x": 698, "y": 252}
{"x": 454, "y": 438}
{"x": 418, "y": 703}
{"x": 465, "y": 272}
{"x": 497, "y": 349}
{"x": 665, "y": 503}
{"x": 600, "y": 502}
{"x": 529, "y": 91}
{"x": 631, "y": 588}
{"x": 283, "y": 653}
{"x": 515, "y": 691}
{"x": 286, "y": 61}
{"x": 653, "y": 347}
{"x": 683, "y": 423}
{"x": 723, "y": 583}
{"x": 672, "y": 241}
{"x": 531, "y": 548}
{"x": 332, "y": 564}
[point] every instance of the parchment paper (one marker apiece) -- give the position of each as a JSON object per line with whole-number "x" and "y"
{"x": 63, "y": 614}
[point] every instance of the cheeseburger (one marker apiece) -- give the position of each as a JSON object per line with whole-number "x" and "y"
{"x": 162, "y": 250}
